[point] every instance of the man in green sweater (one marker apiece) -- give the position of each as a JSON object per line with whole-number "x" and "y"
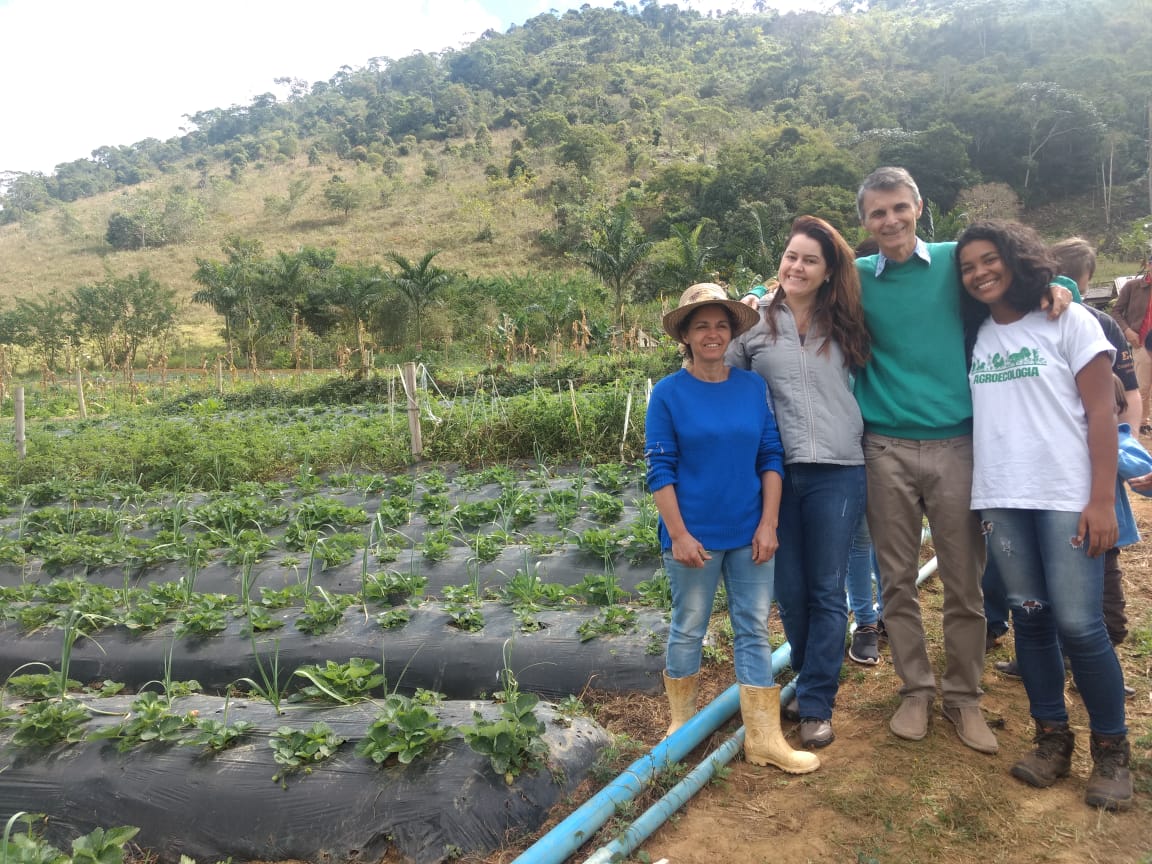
{"x": 917, "y": 412}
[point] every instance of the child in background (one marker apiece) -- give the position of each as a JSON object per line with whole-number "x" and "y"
{"x": 1041, "y": 386}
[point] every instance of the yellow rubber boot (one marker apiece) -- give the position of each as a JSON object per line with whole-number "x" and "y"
{"x": 681, "y": 699}
{"x": 764, "y": 743}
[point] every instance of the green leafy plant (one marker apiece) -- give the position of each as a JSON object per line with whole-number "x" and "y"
{"x": 42, "y": 724}
{"x": 404, "y": 730}
{"x": 150, "y": 720}
{"x": 218, "y": 735}
{"x": 392, "y": 587}
{"x": 297, "y": 749}
{"x": 656, "y": 591}
{"x": 203, "y": 616}
{"x": 38, "y": 685}
{"x": 600, "y": 589}
{"x": 611, "y": 619}
{"x": 322, "y": 614}
{"x": 341, "y": 683}
{"x": 437, "y": 545}
{"x": 513, "y": 742}
{"x": 611, "y": 476}
{"x": 391, "y": 619}
{"x": 605, "y": 507}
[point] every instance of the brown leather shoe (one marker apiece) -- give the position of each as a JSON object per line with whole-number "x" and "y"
{"x": 910, "y": 721}
{"x": 972, "y": 727}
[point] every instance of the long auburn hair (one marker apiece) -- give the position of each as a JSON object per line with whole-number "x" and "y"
{"x": 837, "y": 312}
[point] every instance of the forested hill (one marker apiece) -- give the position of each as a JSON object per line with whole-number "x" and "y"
{"x": 715, "y": 128}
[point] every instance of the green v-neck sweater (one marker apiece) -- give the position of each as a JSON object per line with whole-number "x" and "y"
{"x": 916, "y": 384}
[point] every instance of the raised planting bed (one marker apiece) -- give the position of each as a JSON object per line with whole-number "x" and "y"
{"x": 247, "y": 802}
{"x": 556, "y": 660}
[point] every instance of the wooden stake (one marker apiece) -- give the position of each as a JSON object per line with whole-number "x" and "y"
{"x": 413, "y": 410}
{"x": 18, "y": 408}
{"x": 80, "y": 393}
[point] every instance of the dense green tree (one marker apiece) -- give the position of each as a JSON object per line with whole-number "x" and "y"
{"x": 121, "y": 313}
{"x": 45, "y": 326}
{"x": 343, "y": 196}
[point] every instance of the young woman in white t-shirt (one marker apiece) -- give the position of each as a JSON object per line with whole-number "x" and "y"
{"x": 1044, "y": 481}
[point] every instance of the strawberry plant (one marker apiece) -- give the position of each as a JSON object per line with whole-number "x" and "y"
{"x": 218, "y": 735}
{"x": 605, "y": 507}
{"x": 611, "y": 476}
{"x": 514, "y": 741}
{"x": 436, "y": 545}
{"x": 151, "y": 719}
{"x": 302, "y": 748}
{"x": 323, "y": 613}
{"x": 394, "y": 618}
{"x": 600, "y": 589}
{"x": 392, "y": 587}
{"x": 42, "y": 724}
{"x": 203, "y": 616}
{"x": 38, "y": 685}
{"x": 403, "y": 730}
{"x": 342, "y": 683}
{"x": 611, "y": 619}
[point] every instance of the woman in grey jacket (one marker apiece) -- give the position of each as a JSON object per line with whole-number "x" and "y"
{"x": 809, "y": 341}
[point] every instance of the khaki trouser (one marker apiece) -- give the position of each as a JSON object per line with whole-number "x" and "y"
{"x": 909, "y": 479}
{"x": 1143, "y": 362}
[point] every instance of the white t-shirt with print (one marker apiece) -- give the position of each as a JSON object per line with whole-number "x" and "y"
{"x": 1030, "y": 432}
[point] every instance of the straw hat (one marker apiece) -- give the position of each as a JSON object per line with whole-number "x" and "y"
{"x": 709, "y": 294}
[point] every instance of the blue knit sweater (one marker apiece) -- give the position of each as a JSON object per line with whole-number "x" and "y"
{"x": 712, "y": 441}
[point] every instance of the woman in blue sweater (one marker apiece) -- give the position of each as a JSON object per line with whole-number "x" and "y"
{"x": 714, "y": 467}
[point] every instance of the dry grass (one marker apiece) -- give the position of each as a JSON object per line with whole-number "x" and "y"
{"x": 412, "y": 216}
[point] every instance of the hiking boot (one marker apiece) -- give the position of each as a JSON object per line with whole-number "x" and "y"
{"x": 992, "y": 640}
{"x": 816, "y": 733}
{"x": 1110, "y": 786}
{"x": 1052, "y": 758}
{"x": 1007, "y": 667}
{"x": 972, "y": 727}
{"x": 865, "y": 647}
{"x": 882, "y": 630}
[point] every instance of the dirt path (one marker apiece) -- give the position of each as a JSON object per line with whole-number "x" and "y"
{"x": 880, "y": 800}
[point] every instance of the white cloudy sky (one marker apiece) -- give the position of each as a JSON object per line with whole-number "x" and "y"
{"x": 79, "y": 74}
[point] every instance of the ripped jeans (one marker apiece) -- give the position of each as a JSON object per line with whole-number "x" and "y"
{"x": 1056, "y": 590}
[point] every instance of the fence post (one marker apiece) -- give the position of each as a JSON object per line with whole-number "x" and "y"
{"x": 80, "y": 393}
{"x": 219, "y": 376}
{"x": 18, "y": 408}
{"x": 409, "y": 373}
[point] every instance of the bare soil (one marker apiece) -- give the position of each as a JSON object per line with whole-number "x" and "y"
{"x": 877, "y": 799}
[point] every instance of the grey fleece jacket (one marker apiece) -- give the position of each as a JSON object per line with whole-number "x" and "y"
{"x": 817, "y": 414}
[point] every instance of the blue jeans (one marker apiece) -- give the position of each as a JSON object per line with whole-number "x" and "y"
{"x": 1056, "y": 593}
{"x": 820, "y": 508}
{"x": 995, "y": 599}
{"x": 749, "y": 589}
{"x": 862, "y": 572}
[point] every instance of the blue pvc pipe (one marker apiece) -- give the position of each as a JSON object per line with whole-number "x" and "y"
{"x": 676, "y": 797}
{"x": 558, "y": 844}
